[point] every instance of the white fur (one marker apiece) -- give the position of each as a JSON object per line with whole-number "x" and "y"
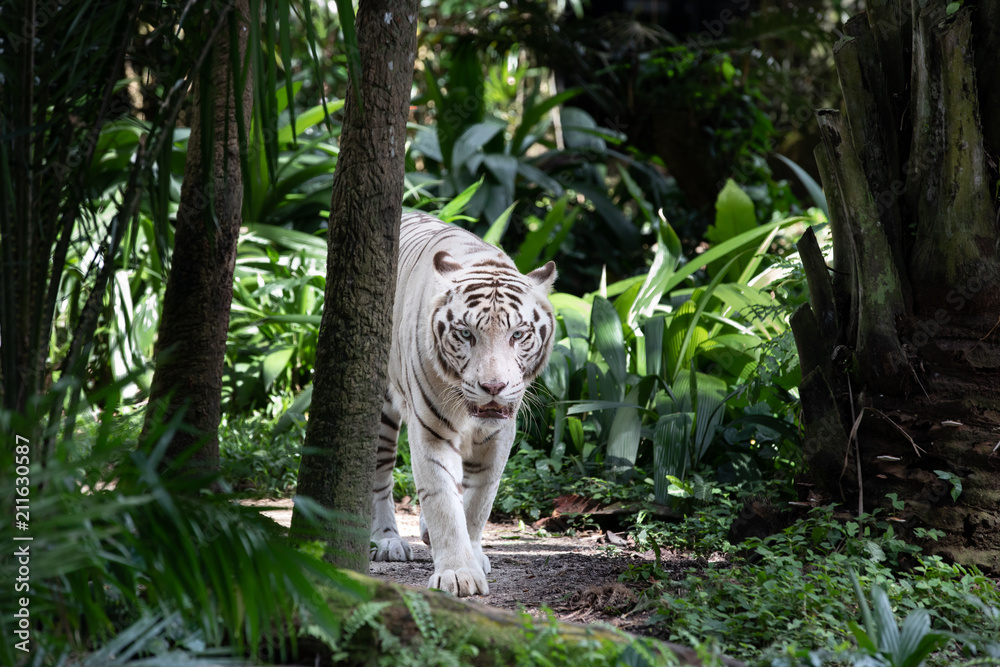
{"x": 469, "y": 335}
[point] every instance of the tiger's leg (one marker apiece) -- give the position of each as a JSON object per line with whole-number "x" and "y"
{"x": 481, "y": 478}
{"x": 384, "y": 533}
{"x": 437, "y": 471}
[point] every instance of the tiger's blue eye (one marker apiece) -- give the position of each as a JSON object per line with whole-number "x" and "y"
{"x": 466, "y": 334}
{"x": 517, "y": 335}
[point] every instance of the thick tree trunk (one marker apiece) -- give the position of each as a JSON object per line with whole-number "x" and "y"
{"x": 899, "y": 347}
{"x": 351, "y": 370}
{"x": 191, "y": 342}
{"x": 499, "y": 635}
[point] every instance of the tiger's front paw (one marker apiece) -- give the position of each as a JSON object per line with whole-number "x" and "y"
{"x": 484, "y": 562}
{"x": 461, "y": 582}
{"x": 392, "y": 548}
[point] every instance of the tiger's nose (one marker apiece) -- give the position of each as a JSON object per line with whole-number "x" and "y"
{"x": 493, "y": 388}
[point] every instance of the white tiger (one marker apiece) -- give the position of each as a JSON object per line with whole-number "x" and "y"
{"x": 469, "y": 334}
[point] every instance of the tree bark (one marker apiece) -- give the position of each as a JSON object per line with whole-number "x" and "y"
{"x": 496, "y": 633}
{"x": 191, "y": 342}
{"x": 351, "y": 370}
{"x": 901, "y": 389}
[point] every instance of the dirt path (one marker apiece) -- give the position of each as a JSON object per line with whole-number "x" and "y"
{"x": 574, "y": 576}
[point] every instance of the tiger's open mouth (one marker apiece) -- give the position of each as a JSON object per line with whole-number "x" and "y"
{"x": 491, "y": 410}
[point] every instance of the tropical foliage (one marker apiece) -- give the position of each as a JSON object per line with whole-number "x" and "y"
{"x": 674, "y": 377}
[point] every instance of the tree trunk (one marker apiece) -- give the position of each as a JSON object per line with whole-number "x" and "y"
{"x": 899, "y": 344}
{"x": 191, "y": 342}
{"x": 351, "y": 370}
{"x": 499, "y": 635}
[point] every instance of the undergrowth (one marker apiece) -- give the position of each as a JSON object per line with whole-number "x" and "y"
{"x": 788, "y": 599}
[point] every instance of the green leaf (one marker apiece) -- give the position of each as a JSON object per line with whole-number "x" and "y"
{"x": 814, "y": 189}
{"x": 533, "y": 113}
{"x": 581, "y": 132}
{"x": 683, "y": 337}
{"x": 709, "y": 404}
{"x": 726, "y": 247}
{"x": 538, "y": 240}
{"x": 455, "y": 207}
{"x": 345, "y": 12}
{"x": 623, "y": 436}
{"x": 275, "y": 363}
{"x": 665, "y": 262}
{"x": 568, "y": 305}
{"x": 575, "y": 428}
{"x": 608, "y": 338}
{"x": 295, "y": 412}
{"x": 864, "y": 641}
{"x": 307, "y": 119}
{"x": 555, "y": 375}
{"x": 653, "y": 334}
{"x": 472, "y": 141}
{"x": 734, "y": 216}
{"x": 504, "y": 169}
{"x": 888, "y": 631}
{"x": 499, "y": 226}
{"x": 671, "y": 442}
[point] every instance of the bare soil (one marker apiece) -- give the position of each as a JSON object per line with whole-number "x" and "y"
{"x": 575, "y": 575}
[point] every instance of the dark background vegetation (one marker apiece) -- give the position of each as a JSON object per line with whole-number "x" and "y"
{"x": 661, "y": 153}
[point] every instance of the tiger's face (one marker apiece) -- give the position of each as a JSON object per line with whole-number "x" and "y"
{"x": 492, "y": 332}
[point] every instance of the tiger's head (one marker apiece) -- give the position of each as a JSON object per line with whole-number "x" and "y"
{"x": 492, "y": 331}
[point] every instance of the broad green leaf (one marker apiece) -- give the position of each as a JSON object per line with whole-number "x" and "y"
{"x": 864, "y": 641}
{"x": 888, "y": 632}
{"x": 671, "y": 442}
{"x": 709, "y": 405}
{"x": 555, "y": 375}
{"x": 653, "y": 333}
{"x": 295, "y": 412}
{"x": 455, "y": 207}
{"x": 625, "y": 304}
{"x": 580, "y": 131}
{"x": 568, "y": 306}
{"x": 608, "y": 338}
{"x": 694, "y": 334}
{"x": 426, "y": 143}
{"x": 504, "y": 169}
{"x": 538, "y": 239}
{"x": 726, "y": 247}
{"x": 499, "y": 226}
{"x": 306, "y": 120}
{"x": 575, "y": 428}
{"x": 623, "y": 436}
{"x": 734, "y": 216}
{"x": 533, "y": 113}
{"x": 683, "y": 337}
{"x": 275, "y": 363}
{"x": 472, "y": 140}
{"x": 665, "y": 262}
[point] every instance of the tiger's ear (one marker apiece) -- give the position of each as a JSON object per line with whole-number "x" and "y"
{"x": 544, "y": 277}
{"x": 444, "y": 264}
